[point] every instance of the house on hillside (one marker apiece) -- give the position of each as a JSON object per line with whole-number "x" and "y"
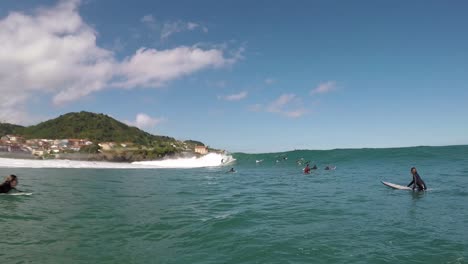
{"x": 17, "y": 148}
{"x": 77, "y": 144}
{"x": 126, "y": 144}
{"x": 38, "y": 152}
{"x": 201, "y": 150}
{"x": 13, "y": 139}
{"x": 107, "y": 145}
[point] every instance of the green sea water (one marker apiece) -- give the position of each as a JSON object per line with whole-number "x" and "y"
{"x": 267, "y": 212}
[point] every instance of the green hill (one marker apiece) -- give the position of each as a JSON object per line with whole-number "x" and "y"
{"x": 6, "y": 128}
{"x": 100, "y": 128}
{"x": 95, "y": 127}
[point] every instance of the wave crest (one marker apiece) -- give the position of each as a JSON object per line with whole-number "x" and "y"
{"x": 209, "y": 160}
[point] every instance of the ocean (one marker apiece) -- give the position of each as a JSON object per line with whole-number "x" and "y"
{"x": 193, "y": 211}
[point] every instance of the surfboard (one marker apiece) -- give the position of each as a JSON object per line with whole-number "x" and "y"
{"x": 396, "y": 186}
{"x": 18, "y": 194}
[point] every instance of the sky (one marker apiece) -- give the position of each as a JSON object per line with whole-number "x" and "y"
{"x": 245, "y": 76}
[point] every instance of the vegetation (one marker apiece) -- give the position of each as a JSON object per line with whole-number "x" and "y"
{"x": 6, "y": 128}
{"x": 194, "y": 143}
{"x": 91, "y": 126}
{"x": 98, "y": 128}
{"x": 94, "y": 148}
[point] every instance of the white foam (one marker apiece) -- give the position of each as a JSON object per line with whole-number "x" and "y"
{"x": 209, "y": 160}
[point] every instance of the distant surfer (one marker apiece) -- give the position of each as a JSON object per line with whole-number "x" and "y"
{"x": 9, "y": 184}
{"x": 307, "y": 169}
{"x": 417, "y": 182}
{"x": 314, "y": 167}
{"x": 231, "y": 170}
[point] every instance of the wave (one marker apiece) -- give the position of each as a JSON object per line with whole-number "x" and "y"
{"x": 340, "y": 156}
{"x": 209, "y": 160}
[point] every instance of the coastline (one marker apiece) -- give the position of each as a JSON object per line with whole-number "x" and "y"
{"x": 100, "y": 157}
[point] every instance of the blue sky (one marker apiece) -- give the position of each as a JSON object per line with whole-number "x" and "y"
{"x": 251, "y": 76}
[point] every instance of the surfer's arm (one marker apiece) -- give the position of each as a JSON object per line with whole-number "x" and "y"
{"x": 410, "y": 183}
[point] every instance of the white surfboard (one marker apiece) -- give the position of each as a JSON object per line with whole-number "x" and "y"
{"x": 396, "y": 186}
{"x": 18, "y": 193}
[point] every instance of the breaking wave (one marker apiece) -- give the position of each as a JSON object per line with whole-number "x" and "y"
{"x": 209, "y": 160}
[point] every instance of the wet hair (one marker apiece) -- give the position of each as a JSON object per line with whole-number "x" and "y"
{"x": 11, "y": 178}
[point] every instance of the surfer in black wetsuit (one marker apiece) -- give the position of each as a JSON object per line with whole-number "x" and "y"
{"x": 9, "y": 183}
{"x": 417, "y": 182}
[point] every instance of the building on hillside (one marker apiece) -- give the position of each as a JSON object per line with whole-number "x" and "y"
{"x": 13, "y": 138}
{"x": 126, "y": 144}
{"x": 201, "y": 150}
{"x": 107, "y": 145}
{"x": 37, "y": 152}
{"x": 17, "y": 148}
{"x": 77, "y": 144}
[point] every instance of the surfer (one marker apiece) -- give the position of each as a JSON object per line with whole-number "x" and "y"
{"x": 307, "y": 169}
{"x": 9, "y": 183}
{"x": 232, "y": 170}
{"x": 417, "y": 182}
{"x": 314, "y": 167}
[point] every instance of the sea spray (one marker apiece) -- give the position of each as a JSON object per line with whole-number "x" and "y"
{"x": 209, "y": 160}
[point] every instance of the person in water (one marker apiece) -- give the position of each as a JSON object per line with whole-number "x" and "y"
{"x": 314, "y": 167}
{"x": 9, "y": 184}
{"x": 307, "y": 169}
{"x": 232, "y": 170}
{"x": 417, "y": 182}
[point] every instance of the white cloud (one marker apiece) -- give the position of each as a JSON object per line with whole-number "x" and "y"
{"x": 288, "y": 105}
{"x": 295, "y": 113}
{"x": 234, "y": 97}
{"x": 170, "y": 28}
{"x": 148, "y": 19}
{"x": 278, "y": 105}
{"x": 53, "y": 51}
{"x": 144, "y": 121}
{"x": 152, "y": 68}
{"x": 325, "y": 87}
{"x": 150, "y": 22}
{"x": 192, "y": 26}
